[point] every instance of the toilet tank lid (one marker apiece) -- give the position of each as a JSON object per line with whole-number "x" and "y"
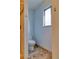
{"x": 31, "y": 41}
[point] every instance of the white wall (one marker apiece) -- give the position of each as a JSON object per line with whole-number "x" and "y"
{"x": 30, "y": 23}
{"x": 42, "y": 34}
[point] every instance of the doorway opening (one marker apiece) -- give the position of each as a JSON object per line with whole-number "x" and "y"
{"x": 39, "y": 29}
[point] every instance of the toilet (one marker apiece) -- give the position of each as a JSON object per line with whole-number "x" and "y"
{"x": 31, "y": 44}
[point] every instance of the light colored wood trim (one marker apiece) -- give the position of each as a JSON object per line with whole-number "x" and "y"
{"x": 25, "y": 29}
{"x": 55, "y": 29}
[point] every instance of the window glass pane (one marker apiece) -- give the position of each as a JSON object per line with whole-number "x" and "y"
{"x": 47, "y": 19}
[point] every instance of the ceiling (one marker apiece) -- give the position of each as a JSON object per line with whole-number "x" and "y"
{"x": 32, "y": 4}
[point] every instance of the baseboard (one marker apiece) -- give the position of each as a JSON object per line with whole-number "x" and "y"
{"x": 43, "y": 48}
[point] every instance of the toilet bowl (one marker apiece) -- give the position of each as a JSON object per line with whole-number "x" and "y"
{"x": 31, "y": 44}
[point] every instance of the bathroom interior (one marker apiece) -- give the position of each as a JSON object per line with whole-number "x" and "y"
{"x": 39, "y": 29}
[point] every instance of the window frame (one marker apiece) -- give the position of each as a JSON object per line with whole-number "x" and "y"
{"x": 44, "y": 16}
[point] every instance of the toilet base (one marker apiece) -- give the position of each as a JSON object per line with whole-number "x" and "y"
{"x": 31, "y": 48}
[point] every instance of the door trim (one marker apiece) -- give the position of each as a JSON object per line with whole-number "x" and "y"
{"x": 55, "y": 29}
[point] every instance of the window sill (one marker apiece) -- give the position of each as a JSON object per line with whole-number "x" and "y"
{"x": 47, "y": 26}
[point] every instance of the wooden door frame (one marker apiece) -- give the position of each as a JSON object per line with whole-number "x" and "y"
{"x": 21, "y": 29}
{"x": 55, "y": 30}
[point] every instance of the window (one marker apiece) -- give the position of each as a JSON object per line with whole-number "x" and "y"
{"x": 47, "y": 17}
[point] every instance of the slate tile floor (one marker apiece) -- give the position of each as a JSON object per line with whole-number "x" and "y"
{"x": 40, "y": 53}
